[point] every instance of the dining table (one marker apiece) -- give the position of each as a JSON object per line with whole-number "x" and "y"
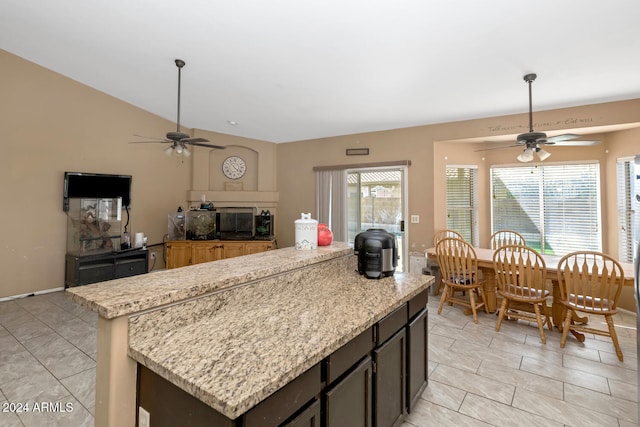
{"x": 489, "y": 288}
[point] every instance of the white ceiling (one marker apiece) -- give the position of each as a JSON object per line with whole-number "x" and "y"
{"x": 288, "y": 70}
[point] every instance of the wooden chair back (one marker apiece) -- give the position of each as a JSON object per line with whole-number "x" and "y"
{"x": 506, "y": 237}
{"x": 458, "y": 262}
{"x": 521, "y": 272}
{"x": 441, "y": 234}
{"x": 590, "y": 281}
{"x": 459, "y": 272}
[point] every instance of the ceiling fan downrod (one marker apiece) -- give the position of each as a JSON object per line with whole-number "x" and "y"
{"x": 530, "y": 78}
{"x": 180, "y": 63}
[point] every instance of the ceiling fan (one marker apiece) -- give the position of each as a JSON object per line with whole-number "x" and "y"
{"x": 179, "y": 140}
{"x": 532, "y": 140}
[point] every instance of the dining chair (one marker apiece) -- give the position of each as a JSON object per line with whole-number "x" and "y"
{"x": 521, "y": 275}
{"x": 439, "y": 235}
{"x": 459, "y": 272}
{"x": 590, "y": 282}
{"x": 506, "y": 237}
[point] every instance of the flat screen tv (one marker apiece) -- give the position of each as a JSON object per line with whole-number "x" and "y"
{"x": 96, "y": 185}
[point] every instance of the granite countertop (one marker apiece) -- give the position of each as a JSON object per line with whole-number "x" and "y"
{"x": 133, "y": 294}
{"x": 233, "y": 349}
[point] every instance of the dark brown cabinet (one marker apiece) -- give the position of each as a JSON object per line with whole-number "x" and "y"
{"x": 417, "y": 357}
{"x": 389, "y": 381}
{"x": 348, "y": 402}
{"x": 287, "y": 401}
{"x": 310, "y": 417}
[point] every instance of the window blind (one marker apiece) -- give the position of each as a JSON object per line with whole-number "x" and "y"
{"x": 628, "y": 218}
{"x": 555, "y": 207}
{"x": 462, "y": 201}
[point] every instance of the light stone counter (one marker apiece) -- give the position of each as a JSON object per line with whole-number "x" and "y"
{"x": 233, "y": 349}
{"x": 279, "y": 311}
{"x": 129, "y": 295}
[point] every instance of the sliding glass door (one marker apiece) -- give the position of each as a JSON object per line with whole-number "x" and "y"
{"x": 376, "y": 199}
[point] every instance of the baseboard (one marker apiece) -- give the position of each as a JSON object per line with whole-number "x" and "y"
{"x": 31, "y": 294}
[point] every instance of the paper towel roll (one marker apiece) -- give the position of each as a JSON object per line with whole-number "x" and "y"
{"x": 138, "y": 240}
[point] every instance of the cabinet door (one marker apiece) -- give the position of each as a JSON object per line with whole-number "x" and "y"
{"x": 178, "y": 255}
{"x": 254, "y": 248}
{"x": 389, "y": 381}
{"x": 310, "y": 417}
{"x": 205, "y": 252}
{"x": 348, "y": 403}
{"x": 417, "y": 358}
{"x": 231, "y": 250}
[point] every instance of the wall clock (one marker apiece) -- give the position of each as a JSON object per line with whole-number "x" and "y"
{"x": 234, "y": 167}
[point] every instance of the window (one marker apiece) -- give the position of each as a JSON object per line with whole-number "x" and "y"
{"x": 628, "y": 206}
{"x": 462, "y": 201}
{"x": 555, "y": 207}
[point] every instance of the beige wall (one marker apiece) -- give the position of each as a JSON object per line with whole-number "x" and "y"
{"x": 52, "y": 124}
{"x": 431, "y": 148}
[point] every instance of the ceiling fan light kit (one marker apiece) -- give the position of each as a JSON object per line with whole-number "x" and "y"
{"x": 526, "y": 155}
{"x": 542, "y": 154}
{"x": 179, "y": 140}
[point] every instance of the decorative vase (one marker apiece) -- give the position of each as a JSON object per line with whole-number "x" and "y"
{"x": 325, "y": 236}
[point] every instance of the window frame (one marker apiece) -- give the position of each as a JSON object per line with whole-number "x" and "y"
{"x": 540, "y": 205}
{"x": 472, "y": 234}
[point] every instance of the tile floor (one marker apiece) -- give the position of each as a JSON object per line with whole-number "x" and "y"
{"x": 477, "y": 376}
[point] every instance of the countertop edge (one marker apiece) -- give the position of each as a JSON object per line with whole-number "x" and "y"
{"x": 143, "y": 292}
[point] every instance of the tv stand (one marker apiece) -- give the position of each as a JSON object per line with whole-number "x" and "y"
{"x": 92, "y": 268}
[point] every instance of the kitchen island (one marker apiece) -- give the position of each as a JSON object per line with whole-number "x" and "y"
{"x": 235, "y": 334}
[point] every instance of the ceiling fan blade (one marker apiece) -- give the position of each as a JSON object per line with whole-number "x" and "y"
{"x": 150, "y": 137}
{"x": 150, "y": 142}
{"x": 563, "y": 137}
{"x": 195, "y": 141}
{"x": 192, "y": 140}
{"x": 498, "y": 148}
{"x": 579, "y": 143}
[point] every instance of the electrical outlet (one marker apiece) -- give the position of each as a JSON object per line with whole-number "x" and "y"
{"x": 415, "y": 219}
{"x": 144, "y": 418}
{"x": 153, "y": 255}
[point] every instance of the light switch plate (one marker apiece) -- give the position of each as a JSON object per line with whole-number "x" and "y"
{"x": 415, "y": 219}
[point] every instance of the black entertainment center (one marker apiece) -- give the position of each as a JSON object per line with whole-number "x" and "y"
{"x": 95, "y": 242}
{"x": 82, "y": 270}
